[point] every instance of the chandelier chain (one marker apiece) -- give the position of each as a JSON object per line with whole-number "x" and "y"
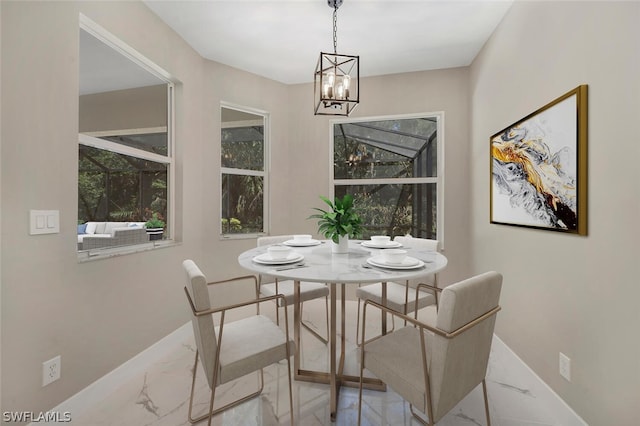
{"x": 335, "y": 29}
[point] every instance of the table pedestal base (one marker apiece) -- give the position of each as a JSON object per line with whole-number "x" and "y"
{"x": 335, "y": 377}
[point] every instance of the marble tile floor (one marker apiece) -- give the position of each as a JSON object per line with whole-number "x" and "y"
{"x": 159, "y": 396}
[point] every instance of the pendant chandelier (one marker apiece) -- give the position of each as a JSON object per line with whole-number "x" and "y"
{"x": 336, "y": 80}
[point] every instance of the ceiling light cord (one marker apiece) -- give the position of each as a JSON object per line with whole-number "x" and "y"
{"x": 335, "y": 29}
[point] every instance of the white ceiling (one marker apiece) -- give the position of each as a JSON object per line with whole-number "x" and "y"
{"x": 282, "y": 40}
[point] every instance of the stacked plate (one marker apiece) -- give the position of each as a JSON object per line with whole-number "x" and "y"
{"x": 406, "y": 263}
{"x": 278, "y": 254}
{"x": 267, "y": 259}
{"x": 388, "y": 244}
{"x": 296, "y": 243}
{"x": 381, "y": 242}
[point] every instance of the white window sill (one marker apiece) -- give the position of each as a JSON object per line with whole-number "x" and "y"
{"x": 109, "y": 252}
{"x": 224, "y": 237}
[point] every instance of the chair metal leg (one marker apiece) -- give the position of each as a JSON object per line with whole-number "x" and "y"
{"x": 393, "y": 324}
{"x": 312, "y": 331}
{"x": 361, "y": 366}
{"x": 360, "y": 399}
{"x": 326, "y": 308}
{"x": 309, "y": 329}
{"x": 418, "y": 418}
{"x": 486, "y": 408}
{"x": 290, "y": 390}
{"x": 290, "y": 381}
{"x": 193, "y": 385}
{"x": 486, "y": 401}
{"x": 358, "y": 325}
{"x": 213, "y": 412}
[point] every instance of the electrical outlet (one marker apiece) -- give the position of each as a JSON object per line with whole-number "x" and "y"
{"x": 50, "y": 370}
{"x": 565, "y": 366}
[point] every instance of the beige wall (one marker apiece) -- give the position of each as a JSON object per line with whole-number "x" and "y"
{"x": 1, "y": 285}
{"x": 142, "y": 107}
{"x": 565, "y": 293}
{"x": 97, "y": 314}
{"x": 579, "y": 296}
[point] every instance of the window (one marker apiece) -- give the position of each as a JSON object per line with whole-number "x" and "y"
{"x": 243, "y": 154}
{"x": 393, "y": 169}
{"x": 125, "y": 145}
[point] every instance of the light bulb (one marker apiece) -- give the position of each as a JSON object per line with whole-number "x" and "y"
{"x": 346, "y": 81}
{"x": 331, "y": 78}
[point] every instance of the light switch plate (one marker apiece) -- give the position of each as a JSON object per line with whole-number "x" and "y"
{"x": 44, "y": 222}
{"x": 565, "y": 367}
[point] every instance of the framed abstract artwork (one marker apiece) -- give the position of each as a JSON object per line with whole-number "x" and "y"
{"x": 539, "y": 168}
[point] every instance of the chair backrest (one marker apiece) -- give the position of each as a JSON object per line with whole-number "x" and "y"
{"x": 420, "y": 244}
{"x": 459, "y": 364}
{"x": 203, "y": 326}
{"x": 268, "y": 240}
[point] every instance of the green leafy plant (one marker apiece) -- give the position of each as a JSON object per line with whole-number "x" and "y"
{"x": 231, "y": 225}
{"x": 154, "y": 222}
{"x": 340, "y": 220}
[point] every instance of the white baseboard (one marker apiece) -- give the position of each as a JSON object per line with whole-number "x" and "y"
{"x": 546, "y": 397}
{"x": 109, "y": 383}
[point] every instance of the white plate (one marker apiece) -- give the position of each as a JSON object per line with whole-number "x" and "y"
{"x": 294, "y": 243}
{"x": 390, "y": 244}
{"x": 407, "y": 263}
{"x": 266, "y": 259}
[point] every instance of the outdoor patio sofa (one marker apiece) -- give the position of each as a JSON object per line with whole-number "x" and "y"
{"x": 93, "y": 235}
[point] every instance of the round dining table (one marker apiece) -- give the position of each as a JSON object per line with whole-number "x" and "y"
{"x": 315, "y": 261}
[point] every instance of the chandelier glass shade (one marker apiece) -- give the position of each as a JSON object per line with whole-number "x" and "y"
{"x": 336, "y": 81}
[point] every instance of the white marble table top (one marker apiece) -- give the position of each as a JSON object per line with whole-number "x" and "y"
{"x": 321, "y": 265}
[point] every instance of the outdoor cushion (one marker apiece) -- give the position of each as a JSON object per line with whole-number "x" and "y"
{"x": 100, "y": 227}
{"x": 82, "y": 229}
{"x": 91, "y": 227}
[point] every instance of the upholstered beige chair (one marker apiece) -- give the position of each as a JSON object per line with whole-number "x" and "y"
{"x": 402, "y": 297}
{"x": 232, "y": 349}
{"x": 270, "y": 286}
{"x": 435, "y": 367}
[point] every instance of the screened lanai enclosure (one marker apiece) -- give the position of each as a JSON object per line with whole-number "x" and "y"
{"x": 119, "y": 187}
{"x": 391, "y": 169}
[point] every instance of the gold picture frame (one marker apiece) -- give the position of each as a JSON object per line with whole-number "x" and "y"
{"x": 538, "y": 168}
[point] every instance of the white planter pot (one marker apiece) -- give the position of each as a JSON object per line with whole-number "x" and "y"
{"x": 342, "y": 246}
{"x": 155, "y": 233}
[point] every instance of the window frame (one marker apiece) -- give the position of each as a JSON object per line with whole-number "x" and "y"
{"x": 247, "y": 172}
{"x": 93, "y": 139}
{"x": 438, "y": 179}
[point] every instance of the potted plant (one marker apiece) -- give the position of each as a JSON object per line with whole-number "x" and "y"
{"x": 155, "y": 227}
{"x": 339, "y": 223}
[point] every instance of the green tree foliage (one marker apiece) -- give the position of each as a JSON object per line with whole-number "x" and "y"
{"x": 242, "y": 195}
{"x": 116, "y": 187}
